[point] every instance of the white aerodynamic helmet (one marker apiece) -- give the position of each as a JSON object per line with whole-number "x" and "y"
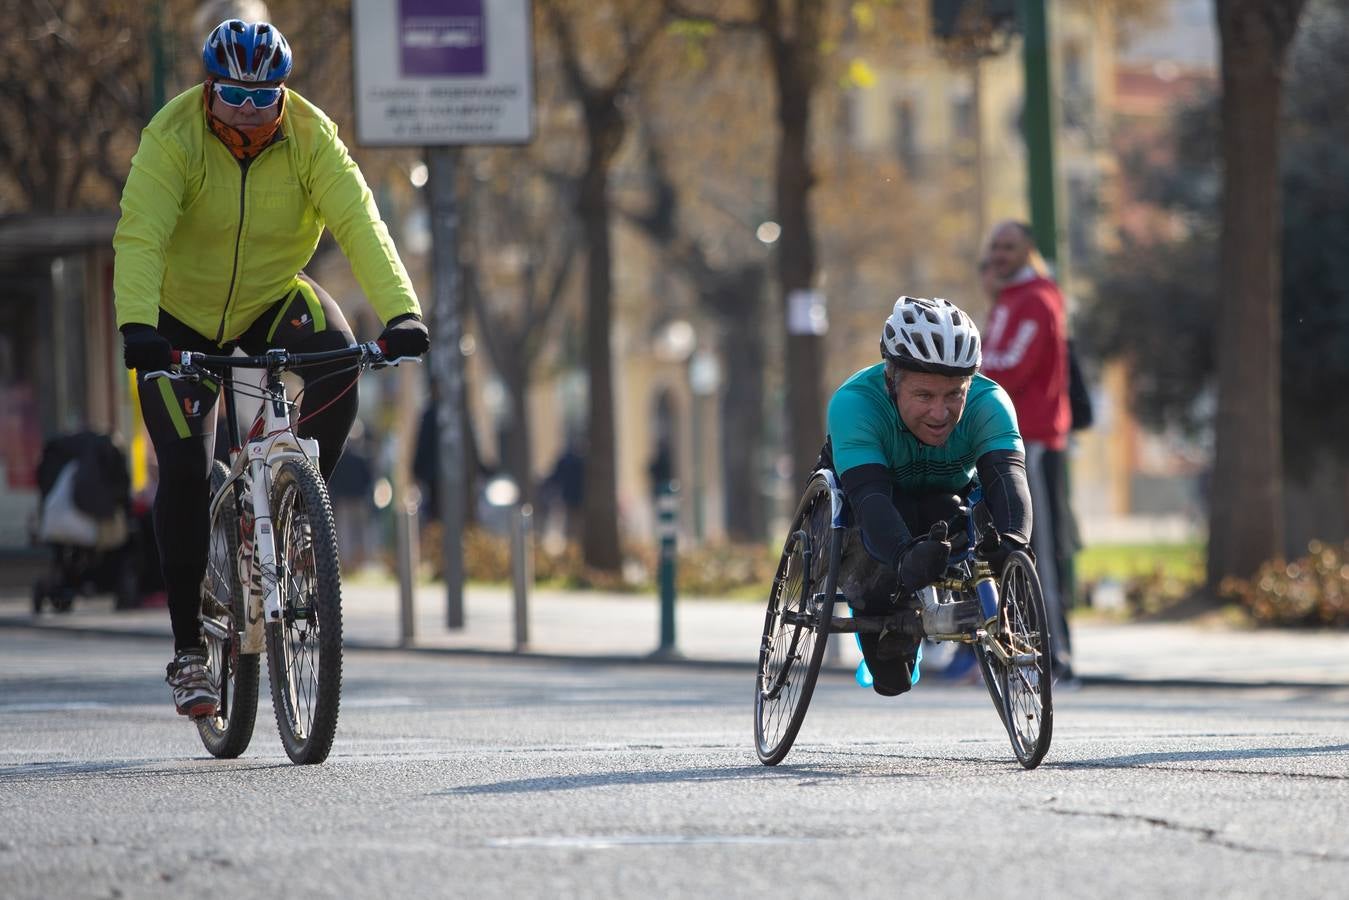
{"x": 934, "y": 335}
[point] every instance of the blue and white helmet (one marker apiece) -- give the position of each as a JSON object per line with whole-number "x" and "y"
{"x": 934, "y": 335}
{"x": 246, "y": 51}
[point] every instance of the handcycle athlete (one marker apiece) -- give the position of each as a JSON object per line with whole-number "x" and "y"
{"x": 228, "y": 194}
{"x": 920, "y": 446}
{"x": 907, "y": 437}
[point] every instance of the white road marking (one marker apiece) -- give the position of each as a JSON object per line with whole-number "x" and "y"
{"x": 610, "y": 841}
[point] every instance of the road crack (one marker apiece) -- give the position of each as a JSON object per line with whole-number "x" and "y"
{"x": 1198, "y": 770}
{"x": 1204, "y": 833}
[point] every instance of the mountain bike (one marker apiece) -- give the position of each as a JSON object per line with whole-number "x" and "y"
{"x": 1003, "y": 618}
{"x": 273, "y": 577}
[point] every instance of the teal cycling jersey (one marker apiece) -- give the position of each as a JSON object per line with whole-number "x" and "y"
{"x": 865, "y": 428}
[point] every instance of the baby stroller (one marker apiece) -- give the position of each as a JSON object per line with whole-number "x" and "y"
{"x": 84, "y": 518}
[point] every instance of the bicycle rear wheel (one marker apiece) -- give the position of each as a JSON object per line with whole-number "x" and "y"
{"x": 304, "y": 649}
{"x": 796, "y": 626}
{"x": 235, "y": 675}
{"x": 1025, "y": 684}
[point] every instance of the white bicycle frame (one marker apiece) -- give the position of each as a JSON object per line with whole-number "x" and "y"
{"x": 258, "y": 462}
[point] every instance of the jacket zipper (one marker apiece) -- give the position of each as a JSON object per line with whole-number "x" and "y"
{"x": 238, "y": 239}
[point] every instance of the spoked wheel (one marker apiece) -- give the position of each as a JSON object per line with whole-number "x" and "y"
{"x": 796, "y": 625}
{"x": 235, "y": 675}
{"x": 304, "y": 649}
{"x": 989, "y": 669}
{"x": 1027, "y": 705}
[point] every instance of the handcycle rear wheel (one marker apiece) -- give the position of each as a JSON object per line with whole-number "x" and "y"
{"x": 1022, "y": 690}
{"x": 304, "y": 649}
{"x": 796, "y": 625}
{"x": 235, "y": 675}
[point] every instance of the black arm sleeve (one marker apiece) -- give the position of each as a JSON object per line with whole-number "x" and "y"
{"x": 868, "y": 490}
{"x": 1007, "y": 493}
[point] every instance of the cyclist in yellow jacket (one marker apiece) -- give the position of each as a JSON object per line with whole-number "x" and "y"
{"x": 229, "y": 191}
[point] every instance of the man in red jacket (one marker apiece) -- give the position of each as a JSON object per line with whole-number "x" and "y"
{"x": 1026, "y": 351}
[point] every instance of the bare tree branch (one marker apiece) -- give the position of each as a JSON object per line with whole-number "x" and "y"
{"x": 491, "y": 331}
{"x": 566, "y": 41}
{"x": 553, "y": 298}
{"x": 636, "y": 54}
{"x": 680, "y": 10}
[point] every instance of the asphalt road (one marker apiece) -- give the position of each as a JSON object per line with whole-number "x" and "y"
{"x": 490, "y": 778}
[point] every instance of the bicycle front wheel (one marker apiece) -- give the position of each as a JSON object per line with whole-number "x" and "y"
{"x": 304, "y": 649}
{"x": 234, "y": 674}
{"x": 1025, "y": 683}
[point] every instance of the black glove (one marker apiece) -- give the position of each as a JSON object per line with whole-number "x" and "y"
{"x": 405, "y": 335}
{"x": 144, "y": 348}
{"x": 996, "y": 555}
{"x": 924, "y": 560}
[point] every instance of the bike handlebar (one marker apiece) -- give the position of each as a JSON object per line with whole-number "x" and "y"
{"x": 370, "y": 353}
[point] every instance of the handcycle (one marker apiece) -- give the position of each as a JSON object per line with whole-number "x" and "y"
{"x": 1002, "y": 618}
{"x": 272, "y": 572}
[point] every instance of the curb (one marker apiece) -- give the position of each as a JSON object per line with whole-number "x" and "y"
{"x": 658, "y": 659}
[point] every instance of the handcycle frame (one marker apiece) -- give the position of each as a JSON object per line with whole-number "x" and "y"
{"x": 1008, "y": 632}
{"x": 909, "y": 620}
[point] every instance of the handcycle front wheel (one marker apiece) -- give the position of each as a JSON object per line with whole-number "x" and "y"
{"x": 304, "y": 649}
{"x": 234, "y": 674}
{"x": 796, "y": 625}
{"x": 1022, "y": 687}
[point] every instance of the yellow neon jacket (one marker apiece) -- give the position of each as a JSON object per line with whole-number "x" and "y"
{"x": 213, "y": 244}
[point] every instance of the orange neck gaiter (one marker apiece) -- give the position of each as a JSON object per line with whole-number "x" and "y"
{"x": 244, "y": 143}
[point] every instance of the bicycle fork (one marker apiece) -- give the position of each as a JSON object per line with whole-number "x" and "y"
{"x": 264, "y": 606}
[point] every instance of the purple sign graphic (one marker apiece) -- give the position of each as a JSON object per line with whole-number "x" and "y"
{"x": 442, "y": 37}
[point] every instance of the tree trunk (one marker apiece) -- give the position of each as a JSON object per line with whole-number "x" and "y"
{"x": 794, "y": 65}
{"x": 1314, "y": 503}
{"x": 738, "y": 299}
{"x": 599, "y": 542}
{"x": 1246, "y": 503}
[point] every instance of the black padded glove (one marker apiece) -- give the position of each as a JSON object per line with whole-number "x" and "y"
{"x": 924, "y": 560}
{"x": 405, "y": 335}
{"x": 144, "y": 348}
{"x": 996, "y": 555}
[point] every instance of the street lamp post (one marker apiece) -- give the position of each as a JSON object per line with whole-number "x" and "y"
{"x": 704, "y": 381}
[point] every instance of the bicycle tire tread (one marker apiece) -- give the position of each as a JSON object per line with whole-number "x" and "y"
{"x": 317, "y": 744}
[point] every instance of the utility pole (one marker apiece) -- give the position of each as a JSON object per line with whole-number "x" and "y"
{"x": 968, "y": 32}
{"x": 1039, "y": 125}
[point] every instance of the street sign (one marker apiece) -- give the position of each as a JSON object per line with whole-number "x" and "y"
{"x": 443, "y": 72}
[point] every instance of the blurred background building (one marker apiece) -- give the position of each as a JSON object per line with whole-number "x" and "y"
{"x": 919, "y": 152}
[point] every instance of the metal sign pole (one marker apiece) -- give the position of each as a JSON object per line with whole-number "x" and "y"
{"x": 423, "y": 79}
{"x": 522, "y": 569}
{"x": 447, "y": 370}
{"x": 667, "y": 528}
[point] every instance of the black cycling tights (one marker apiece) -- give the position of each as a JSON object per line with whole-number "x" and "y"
{"x": 180, "y": 417}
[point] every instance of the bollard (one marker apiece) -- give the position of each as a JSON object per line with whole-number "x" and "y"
{"x": 405, "y": 538}
{"x": 667, "y": 529}
{"x": 522, "y": 569}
